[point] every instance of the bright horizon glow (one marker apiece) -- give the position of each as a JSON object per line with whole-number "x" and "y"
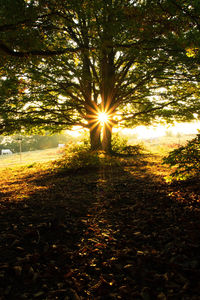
{"x": 150, "y": 132}
{"x": 186, "y": 128}
{"x": 75, "y": 132}
{"x": 147, "y": 132}
{"x": 144, "y": 132}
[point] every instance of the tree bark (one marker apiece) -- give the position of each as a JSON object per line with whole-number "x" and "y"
{"x": 107, "y": 138}
{"x": 95, "y": 137}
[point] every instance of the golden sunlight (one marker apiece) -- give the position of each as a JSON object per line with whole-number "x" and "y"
{"x": 156, "y": 131}
{"x": 75, "y": 132}
{"x": 103, "y": 117}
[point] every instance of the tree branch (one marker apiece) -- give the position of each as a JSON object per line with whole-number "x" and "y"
{"x": 4, "y": 48}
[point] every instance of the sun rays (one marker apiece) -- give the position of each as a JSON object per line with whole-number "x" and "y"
{"x": 100, "y": 117}
{"x": 103, "y": 118}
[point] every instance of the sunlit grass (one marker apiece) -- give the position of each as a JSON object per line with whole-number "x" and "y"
{"x": 28, "y": 158}
{"x": 36, "y": 163}
{"x": 20, "y": 182}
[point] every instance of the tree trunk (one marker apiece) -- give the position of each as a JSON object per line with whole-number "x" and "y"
{"x": 100, "y": 141}
{"x": 95, "y": 137}
{"x": 106, "y": 139}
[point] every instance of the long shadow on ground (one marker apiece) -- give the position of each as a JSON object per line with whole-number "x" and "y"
{"x": 141, "y": 242}
{"x": 39, "y": 235}
{"x": 118, "y": 233}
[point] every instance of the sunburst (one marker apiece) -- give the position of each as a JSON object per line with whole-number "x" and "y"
{"x": 103, "y": 117}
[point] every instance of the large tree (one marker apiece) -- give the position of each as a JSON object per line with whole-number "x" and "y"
{"x": 65, "y": 62}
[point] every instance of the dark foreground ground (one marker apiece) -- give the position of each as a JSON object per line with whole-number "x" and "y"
{"x": 113, "y": 233}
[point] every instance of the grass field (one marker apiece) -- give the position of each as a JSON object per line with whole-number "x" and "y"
{"x": 160, "y": 146}
{"x": 30, "y": 157}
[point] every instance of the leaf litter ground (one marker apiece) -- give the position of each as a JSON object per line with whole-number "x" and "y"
{"x": 119, "y": 232}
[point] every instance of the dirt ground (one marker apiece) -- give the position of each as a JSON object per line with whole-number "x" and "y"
{"x": 117, "y": 232}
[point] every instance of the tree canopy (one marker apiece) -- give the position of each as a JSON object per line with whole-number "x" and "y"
{"x": 64, "y": 62}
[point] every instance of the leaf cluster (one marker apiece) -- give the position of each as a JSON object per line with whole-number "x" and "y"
{"x": 58, "y": 58}
{"x": 120, "y": 146}
{"x": 77, "y": 157}
{"x": 184, "y": 161}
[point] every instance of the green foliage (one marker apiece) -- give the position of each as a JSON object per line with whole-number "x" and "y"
{"x": 78, "y": 156}
{"x": 133, "y": 149}
{"x": 78, "y": 159}
{"x": 58, "y": 58}
{"x": 48, "y": 74}
{"x": 74, "y": 147}
{"x": 84, "y": 159}
{"x": 118, "y": 143}
{"x": 185, "y": 161}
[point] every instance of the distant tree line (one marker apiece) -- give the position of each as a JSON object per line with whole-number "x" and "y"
{"x": 33, "y": 142}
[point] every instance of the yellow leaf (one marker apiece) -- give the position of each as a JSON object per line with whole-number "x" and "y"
{"x": 192, "y": 52}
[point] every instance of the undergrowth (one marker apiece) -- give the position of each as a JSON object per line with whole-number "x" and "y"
{"x": 184, "y": 161}
{"x": 79, "y": 156}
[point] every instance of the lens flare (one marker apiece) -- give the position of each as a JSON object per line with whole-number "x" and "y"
{"x": 103, "y": 117}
